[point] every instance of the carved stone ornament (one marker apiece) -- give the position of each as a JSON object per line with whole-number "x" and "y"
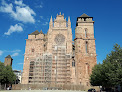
{"x": 59, "y": 39}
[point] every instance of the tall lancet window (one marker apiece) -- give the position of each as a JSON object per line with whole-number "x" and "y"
{"x": 73, "y": 63}
{"x": 86, "y": 33}
{"x": 87, "y": 68}
{"x": 86, "y": 46}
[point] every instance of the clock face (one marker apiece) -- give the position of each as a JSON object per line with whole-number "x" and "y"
{"x": 59, "y": 39}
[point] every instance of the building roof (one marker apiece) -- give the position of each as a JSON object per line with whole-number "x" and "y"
{"x": 8, "y": 56}
{"x": 35, "y": 33}
{"x": 84, "y": 15}
{"x": 16, "y": 70}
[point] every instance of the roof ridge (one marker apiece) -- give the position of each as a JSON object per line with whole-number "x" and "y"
{"x": 35, "y": 33}
{"x": 84, "y": 15}
{"x": 9, "y": 56}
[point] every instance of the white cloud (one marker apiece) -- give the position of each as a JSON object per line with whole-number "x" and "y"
{"x": 22, "y": 12}
{"x": 39, "y": 21}
{"x": 20, "y": 3}
{"x": 1, "y": 52}
{"x": 15, "y": 54}
{"x": 41, "y": 17}
{"x": 20, "y": 63}
{"x": 8, "y": 8}
{"x": 15, "y": 28}
{"x": 16, "y": 50}
{"x": 41, "y": 6}
{"x": 46, "y": 23}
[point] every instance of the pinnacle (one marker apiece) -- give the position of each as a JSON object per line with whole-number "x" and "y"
{"x": 51, "y": 20}
{"x": 41, "y": 32}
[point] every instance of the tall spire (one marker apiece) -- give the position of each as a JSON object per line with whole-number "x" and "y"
{"x": 51, "y": 22}
{"x": 68, "y": 19}
{"x": 69, "y": 23}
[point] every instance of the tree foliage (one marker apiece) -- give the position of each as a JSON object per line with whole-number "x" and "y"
{"x": 109, "y": 73}
{"x": 6, "y": 74}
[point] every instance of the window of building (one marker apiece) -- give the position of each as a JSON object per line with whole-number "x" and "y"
{"x": 84, "y": 19}
{"x": 30, "y": 77}
{"x": 86, "y": 46}
{"x": 87, "y": 83}
{"x": 31, "y": 68}
{"x": 35, "y": 36}
{"x": 87, "y": 68}
{"x": 73, "y": 64}
{"x": 86, "y": 33}
{"x": 80, "y": 83}
{"x": 32, "y": 63}
{"x": 32, "y": 50}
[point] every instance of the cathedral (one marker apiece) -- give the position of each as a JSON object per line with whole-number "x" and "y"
{"x": 55, "y": 58}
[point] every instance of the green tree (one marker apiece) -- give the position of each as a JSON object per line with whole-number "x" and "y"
{"x": 6, "y": 74}
{"x": 96, "y": 75}
{"x": 109, "y": 73}
{"x": 2, "y": 67}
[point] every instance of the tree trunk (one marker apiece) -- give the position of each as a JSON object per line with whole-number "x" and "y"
{"x": 5, "y": 86}
{"x": 0, "y": 86}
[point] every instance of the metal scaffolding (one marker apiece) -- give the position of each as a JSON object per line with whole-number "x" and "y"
{"x": 62, "y": 65}
{"x": 41, "y": 69}
{"x": 51, "y": 68}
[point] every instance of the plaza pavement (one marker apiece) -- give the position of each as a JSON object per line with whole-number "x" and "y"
{"x": 41, "y": 91}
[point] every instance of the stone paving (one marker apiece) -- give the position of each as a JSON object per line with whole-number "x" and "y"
{"x": 41, "y": 91}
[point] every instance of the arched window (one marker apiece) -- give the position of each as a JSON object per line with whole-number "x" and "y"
{"x": 86, "y": 33}
{"x": 86, "y": 46}
{"x": 73, "y": 63}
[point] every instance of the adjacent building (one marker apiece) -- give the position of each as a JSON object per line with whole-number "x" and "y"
{"x": 54, "y": 58}
{"x": 18, "y": 74}
{"x": 8, "y": 60}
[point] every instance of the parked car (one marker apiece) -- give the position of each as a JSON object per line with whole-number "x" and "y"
{"x": 91, "y": 90}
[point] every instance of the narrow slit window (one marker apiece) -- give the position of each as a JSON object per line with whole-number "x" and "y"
{"x": 87, "y": 68}
{"x": 85, "y": 32}
{"x": 73, "y": 64}
{"x": 86, "y": 47}
{"x": 32, "y": 50}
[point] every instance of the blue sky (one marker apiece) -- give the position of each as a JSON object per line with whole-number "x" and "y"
{"x": 18, "y": 18}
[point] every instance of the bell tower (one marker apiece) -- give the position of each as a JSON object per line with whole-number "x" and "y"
{"x": 85, "y": 50}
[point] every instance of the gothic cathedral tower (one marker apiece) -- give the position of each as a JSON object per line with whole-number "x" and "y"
{"x": 60, "y": 46}
{"x": 85, "y": 51}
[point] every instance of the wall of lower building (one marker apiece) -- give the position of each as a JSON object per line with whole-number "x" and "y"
{"x": 52, "y": 86}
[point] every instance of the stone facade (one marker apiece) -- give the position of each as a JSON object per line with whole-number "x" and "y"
{"x": 54, "y": 58}
{"x": 85, "y": 51}
{"x": 8, "y": 61}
